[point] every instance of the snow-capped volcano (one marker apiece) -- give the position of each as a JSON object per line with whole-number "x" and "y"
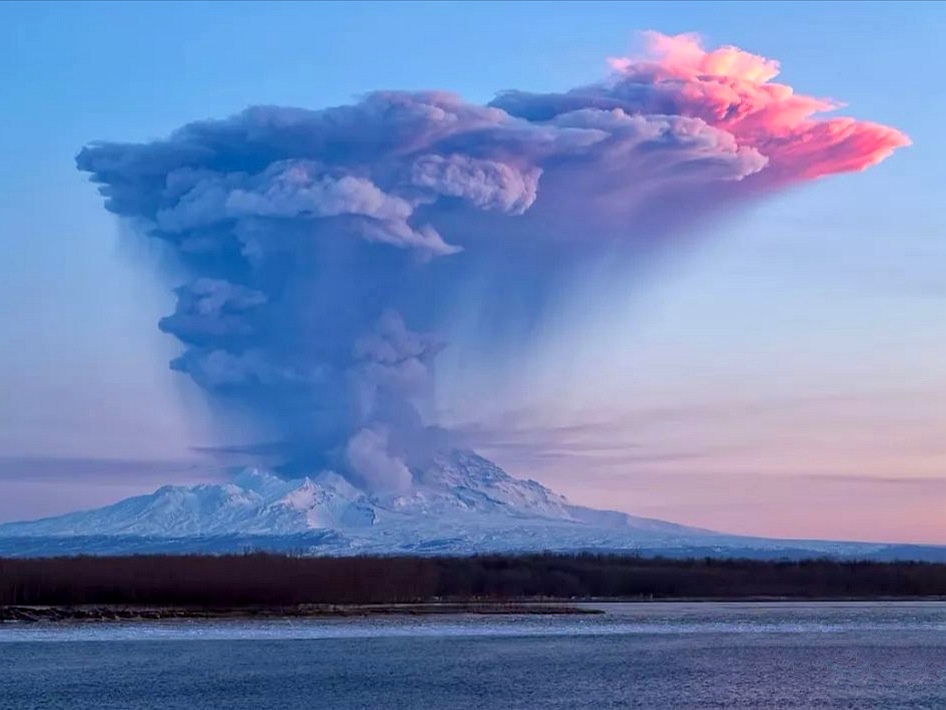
{"x": 456, "y": 487}
{"x": 458, "y": 495}
{"x": 459, "y": 503}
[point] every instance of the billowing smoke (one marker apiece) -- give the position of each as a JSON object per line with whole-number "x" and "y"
{"x": 326, "y": 248}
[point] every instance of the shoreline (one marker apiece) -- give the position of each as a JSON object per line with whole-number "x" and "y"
{"x": 121, "y": 612}
{"x": 572, "y": 607}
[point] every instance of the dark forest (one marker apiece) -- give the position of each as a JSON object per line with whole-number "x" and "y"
{"x": 282, "y": 580}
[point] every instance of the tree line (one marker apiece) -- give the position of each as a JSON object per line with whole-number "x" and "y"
{"x": 257, "y": 579}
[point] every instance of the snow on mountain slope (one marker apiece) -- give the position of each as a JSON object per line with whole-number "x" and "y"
{"x": 459, "y": 504}
{"x": 254, "y": 503}
{"x": 462, "y": 482}
{"x": 458, "y": 494}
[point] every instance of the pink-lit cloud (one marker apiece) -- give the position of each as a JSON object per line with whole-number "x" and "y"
{"x": 734, "y": 90}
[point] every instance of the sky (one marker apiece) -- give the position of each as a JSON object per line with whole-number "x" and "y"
{"x": 781, "y": 375}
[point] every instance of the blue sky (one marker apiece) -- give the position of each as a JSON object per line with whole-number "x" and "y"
{"x": 784, "y": 377}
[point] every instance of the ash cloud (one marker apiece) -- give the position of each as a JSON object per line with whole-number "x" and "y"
{"x": 326, "y": 248}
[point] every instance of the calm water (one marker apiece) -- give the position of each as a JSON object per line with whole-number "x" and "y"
{"x": 653, "y": 655}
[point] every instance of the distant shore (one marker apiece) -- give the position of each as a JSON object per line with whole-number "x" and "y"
{"x": 119, "y": 612}
{"x": 133, "y": 613}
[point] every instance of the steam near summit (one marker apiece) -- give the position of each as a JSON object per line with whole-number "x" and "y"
{"x": 326, "y": 252}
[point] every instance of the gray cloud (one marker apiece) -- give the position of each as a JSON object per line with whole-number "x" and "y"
{"x": 321, "y": 248}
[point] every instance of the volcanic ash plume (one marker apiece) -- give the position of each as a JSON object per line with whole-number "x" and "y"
{"x": 326, "y": 248}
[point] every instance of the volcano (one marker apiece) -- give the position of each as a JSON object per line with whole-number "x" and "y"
{"x": 459, "y": 503}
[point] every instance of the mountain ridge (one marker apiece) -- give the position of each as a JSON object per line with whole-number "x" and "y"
{"x": 254, "y": 501}
{"x": 460, "y": 503}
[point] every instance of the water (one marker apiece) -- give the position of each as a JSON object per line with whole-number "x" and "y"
{"x": 636, "y": 655}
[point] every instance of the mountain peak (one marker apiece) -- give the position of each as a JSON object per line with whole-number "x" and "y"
{"x": 460, "y": 503}
{"x": 459, "y": 499}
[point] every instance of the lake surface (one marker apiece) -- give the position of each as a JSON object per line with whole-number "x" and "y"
{"x": 786, "y": 655}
